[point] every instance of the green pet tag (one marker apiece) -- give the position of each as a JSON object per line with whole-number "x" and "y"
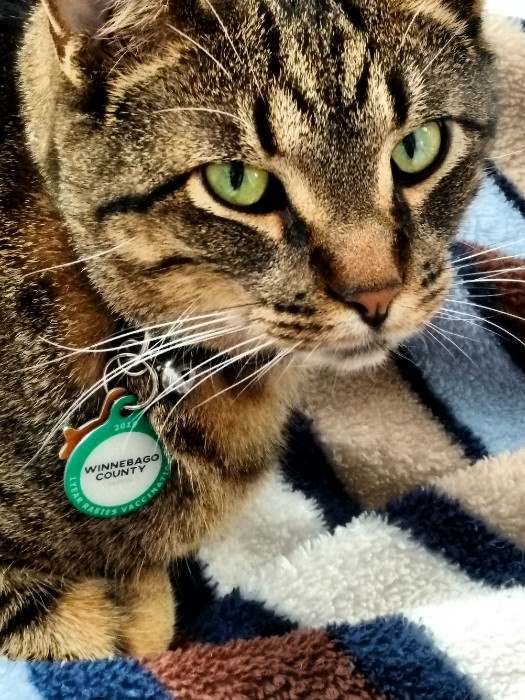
{"x": 116, "y": 463}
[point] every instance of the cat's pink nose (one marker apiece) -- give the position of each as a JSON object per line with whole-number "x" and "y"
{"x": 373, "y": 306}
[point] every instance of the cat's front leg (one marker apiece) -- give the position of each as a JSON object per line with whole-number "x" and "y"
{"x": 47, "y": 618}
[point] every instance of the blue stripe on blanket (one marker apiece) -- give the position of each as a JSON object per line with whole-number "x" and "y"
{"x": 307, "y": 468}
{"x": 99, "y": 680}
{"x": 509, "y": 190}
{"x": 205, "y": 617}
{"x": 496, "y": 218}
{"x": 472, "y": 445}
{"x": 402, "y": 662}
{"x": 480, "y": 384}
{"x": 442, "y": 526}
{"x": 15, "y": 682}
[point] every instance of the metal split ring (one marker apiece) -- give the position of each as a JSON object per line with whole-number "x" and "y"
{"x": 146, "y": 368}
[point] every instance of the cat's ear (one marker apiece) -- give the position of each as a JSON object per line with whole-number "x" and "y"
{"x": 85, "y": 31}
{"x": 76, "y": 17}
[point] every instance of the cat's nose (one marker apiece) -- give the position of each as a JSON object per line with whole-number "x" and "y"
{"x": 373, "y": 306}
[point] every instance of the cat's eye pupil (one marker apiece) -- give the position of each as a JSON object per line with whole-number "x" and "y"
{"x": 236, "y": 183}
{"x": 236, "y": 174}
{"x": 410, "y": 145}
{"x": 419, "y": 154}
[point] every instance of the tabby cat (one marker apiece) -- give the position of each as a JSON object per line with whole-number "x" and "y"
{"x": 277, "y": 183}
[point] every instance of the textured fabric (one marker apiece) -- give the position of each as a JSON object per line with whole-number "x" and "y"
{"x": 385, "y": 556}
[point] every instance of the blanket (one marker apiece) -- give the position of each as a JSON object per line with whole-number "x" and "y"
{"x": 385, "y": 555}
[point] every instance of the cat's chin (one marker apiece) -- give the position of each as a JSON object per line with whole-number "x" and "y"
{"x": 346, "y": 360}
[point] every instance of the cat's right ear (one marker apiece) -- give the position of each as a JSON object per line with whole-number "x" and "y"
{"x": 86, "y": 32}
{"x": 76, "y": 17}
{"x": 74, "y": 25}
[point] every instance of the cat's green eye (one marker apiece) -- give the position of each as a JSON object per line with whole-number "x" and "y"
{"x": 416, "y": 155}
{"x": 236, "y": 183}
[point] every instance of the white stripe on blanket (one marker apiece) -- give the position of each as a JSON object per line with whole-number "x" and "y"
{"x": 364, "y": 570}
{"x": 483, "y": 634}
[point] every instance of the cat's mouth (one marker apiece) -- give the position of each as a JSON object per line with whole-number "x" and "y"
{"x": 350, "y": 358}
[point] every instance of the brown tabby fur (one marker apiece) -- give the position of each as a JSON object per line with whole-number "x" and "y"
{"x": 317, "y": 93}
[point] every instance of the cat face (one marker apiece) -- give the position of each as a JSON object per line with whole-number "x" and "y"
{"x": 302, "y": 168}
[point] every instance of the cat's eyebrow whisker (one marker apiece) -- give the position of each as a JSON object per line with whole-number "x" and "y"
{"x": 230, "y": 40}
{"x": 223, "y": 27}
{"x": 201, "y": 47}
{"x": 80, "y": 261}
{"x": 208, "y": 110}
{"x": 411, "y": 24}
{"x": 437, "y": 55}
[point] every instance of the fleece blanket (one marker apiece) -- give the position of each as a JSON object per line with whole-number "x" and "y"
{"x": 385, "y": 556}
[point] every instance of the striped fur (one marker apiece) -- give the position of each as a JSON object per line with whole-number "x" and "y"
{"x": 121, "y": 104}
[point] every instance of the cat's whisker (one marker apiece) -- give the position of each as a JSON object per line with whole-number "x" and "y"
{"x": 145, "y": 329}
{"x": 191, "y": 372}
{"x": 201, "y": 47}
{"x": 497, "y": 247}
{"x": 134, "y": 343}
{"x": 263, "y": 371}
{"x": 440, "y": 342}
{"x": 209, "y": 376}
{"x": 110, "y": 376}
{"x": 484, "y": 280}
{"x": 490, "y": 323}
{"x": 230, "y": 41}
{"x": 501, "y": 156}
{"x": 488, "y": 275}
{"x": 452, "y": 333}
{"x": 399, "y": 354}
{"x": 492, "y": 260}
{"x": 80, "y": 261}
{"x": 487, "y": 308}
{"x": 471, "y": 320}
{"x": 409, "y": 28}
{"x": 445, "y": 335}
{"x": 256, "y": 375}
{"x": 123, "y": 346}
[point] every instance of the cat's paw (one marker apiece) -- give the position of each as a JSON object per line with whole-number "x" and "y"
{"x": 49, "y": 619}
{"x": 150, "y": 608}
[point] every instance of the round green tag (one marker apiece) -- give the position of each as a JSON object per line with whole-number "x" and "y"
{"x": 117, "y": 468}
